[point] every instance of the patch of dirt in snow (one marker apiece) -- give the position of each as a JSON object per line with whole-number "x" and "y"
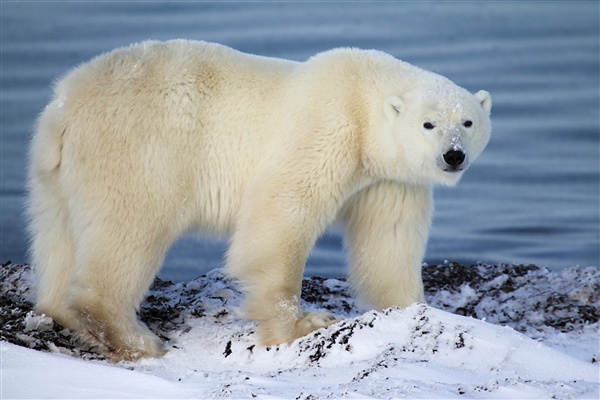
{"x": 524, "y": 297}
{"x": 200, "y": 323}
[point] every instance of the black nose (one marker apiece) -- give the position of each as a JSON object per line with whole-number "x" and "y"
{"x": 454, "y": 158}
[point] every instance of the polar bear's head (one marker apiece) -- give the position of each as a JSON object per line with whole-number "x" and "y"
{"x": 437, "y": 131}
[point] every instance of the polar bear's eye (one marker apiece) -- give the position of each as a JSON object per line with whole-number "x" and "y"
{"x": 428, "y": 125}
{"x": 468, "y": 123}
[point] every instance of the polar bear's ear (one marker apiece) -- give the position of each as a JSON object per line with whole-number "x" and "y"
{"x": 392, "y": 106}
{"x": 485, "y": 100}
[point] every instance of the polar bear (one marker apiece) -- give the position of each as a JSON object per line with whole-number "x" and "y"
{"x": 147, "y": 142}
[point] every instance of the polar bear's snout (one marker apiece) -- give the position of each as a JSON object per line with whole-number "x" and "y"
{"x": 454, "y": 160}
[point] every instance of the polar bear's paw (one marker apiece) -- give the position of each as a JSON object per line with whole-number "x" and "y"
{"x": 116, "y": 349}
{"x": 313, "y": 321}
{"x": 121, "y": 339}
{"x": 143, "y": 345}
{"x": 275, "y": 332}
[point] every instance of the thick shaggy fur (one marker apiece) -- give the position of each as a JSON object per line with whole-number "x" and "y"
{"x": 144, "y": 143}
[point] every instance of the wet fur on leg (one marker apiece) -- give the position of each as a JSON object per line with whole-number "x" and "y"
{"x": 113, "y": 340}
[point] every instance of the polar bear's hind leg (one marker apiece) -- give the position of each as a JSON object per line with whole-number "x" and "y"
{"x": 111, "y": 281}
{"x": 52, "y": 251}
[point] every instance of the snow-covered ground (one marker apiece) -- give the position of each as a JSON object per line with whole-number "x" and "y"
{"x": 522, "y": 332}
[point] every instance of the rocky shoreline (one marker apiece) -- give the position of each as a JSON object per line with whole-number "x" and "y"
{"x": 530, "y": 299}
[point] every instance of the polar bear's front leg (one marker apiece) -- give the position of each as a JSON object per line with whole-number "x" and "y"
{"x": 268, "y": 249}
{"x": 387, "y": 227}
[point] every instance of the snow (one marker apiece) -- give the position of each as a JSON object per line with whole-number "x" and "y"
{"x": 417, "y": 352}
{"x": 33, "y": 374}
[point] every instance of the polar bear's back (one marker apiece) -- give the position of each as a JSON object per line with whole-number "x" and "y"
{"x": 171, "y": 120}
{"x": 174, "y": 74}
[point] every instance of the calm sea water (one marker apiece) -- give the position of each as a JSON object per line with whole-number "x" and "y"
{"x": 532, "y": 197}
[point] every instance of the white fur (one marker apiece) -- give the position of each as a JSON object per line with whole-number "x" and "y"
{"x": 144, "y": 143}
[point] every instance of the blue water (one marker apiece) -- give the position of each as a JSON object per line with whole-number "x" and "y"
{"x": 532, "y": 197}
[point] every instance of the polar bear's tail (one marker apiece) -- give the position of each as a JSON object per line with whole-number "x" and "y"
{"x": 47, "y": 143}
{"x": 52, "y": 248}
